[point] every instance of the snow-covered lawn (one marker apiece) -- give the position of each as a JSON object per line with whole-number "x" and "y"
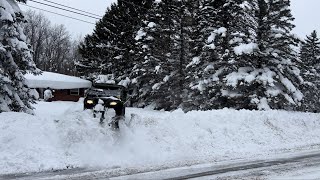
{"x": 61, "y": 134}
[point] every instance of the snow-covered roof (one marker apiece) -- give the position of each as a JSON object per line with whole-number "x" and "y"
{"x": 56, "y": 81}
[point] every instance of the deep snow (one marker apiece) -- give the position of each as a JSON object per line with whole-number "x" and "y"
{"x": 62, "y": 135}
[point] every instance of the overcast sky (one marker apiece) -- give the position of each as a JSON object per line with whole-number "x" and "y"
{"x": 305, "y": 11}
{"x": 76, "y": 28}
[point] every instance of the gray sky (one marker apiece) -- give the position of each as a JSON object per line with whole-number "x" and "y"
{"x": 305, "y": 11}
{"x": 307, "y": 14}
{"x": 76, "y": 28}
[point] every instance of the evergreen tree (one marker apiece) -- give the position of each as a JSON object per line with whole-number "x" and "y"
{"x": 173, "y": 73}
{"x": 15, "y": 60}
{"x": 109, "y": 50}
{"x": 164, "y": 53}
{"x": 309, "y": 56}
{"x": 97, "y": 49}
{"x": 227, "y": 26}
{"x": 310, "y": 49}
{"x": 279, "y": 75}
{"x": 200, "y": 55}
{"x": 150, "y": 47}
{"x": 252, "y": 64}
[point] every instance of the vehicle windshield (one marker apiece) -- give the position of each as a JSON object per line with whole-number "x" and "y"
{"x": 103, "y": 92}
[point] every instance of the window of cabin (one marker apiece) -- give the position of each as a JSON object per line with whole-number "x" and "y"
{"x": 74, "y": 92}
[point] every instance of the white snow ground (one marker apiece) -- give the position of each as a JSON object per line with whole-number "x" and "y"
{"x": 61, "y": 134}
{"x": 312, "y": 173}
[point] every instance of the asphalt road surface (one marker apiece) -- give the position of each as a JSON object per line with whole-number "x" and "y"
{"x": 262, "y": 169}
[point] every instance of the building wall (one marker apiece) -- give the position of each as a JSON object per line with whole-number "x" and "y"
{"x": 66, "y": 95}
{"x": 63, "y": 94}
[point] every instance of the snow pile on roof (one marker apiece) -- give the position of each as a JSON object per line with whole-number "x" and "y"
{"x": 56, "y": 81}
{"x": 61, "y": 135}
{"x": 109, "y": 79}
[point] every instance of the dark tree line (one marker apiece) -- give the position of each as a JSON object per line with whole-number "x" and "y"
{"x": 201, "y": 54}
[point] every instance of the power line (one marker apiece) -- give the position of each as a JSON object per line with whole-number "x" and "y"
{"x": 73, "y": 8}
{"x": 113, "y": 20}
{"x": 72, "y": 17}
{"x": 64, "y": 9}
{"x": 57, "y": 14}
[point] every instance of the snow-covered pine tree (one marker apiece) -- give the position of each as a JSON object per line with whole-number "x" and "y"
{"x": 165, "y": 47}
{"x": 130, "y": 14}
{"x": 111, "y": 47}
{"x": 226, "y": 53}
{"x": 235, "y": 47}
{"x": 153, "y": 70}
{"x": 89, "y": 66}
{"x": 151, "y": 46}
{"x": 309, "y": 56}
{"x": 310, "y": 49}
{"x": 252, "y": 63}
{"x": 97, "y": 49}
{"x": 15, "y": 59}
{"x": 227, "y": 28}
{"x": 199, "y": 55}
{"x": 275, "y": 76}
{"x": 179, "y": 28}
{"x": 180, "y": 14}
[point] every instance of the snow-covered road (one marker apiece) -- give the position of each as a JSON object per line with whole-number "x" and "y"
{"x": 61, "y": 135}
{"x": 288, "y": 166}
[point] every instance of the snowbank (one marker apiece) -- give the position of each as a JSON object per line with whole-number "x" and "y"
{"x": 61, "y": 135}
{"x": 28, "y": 143}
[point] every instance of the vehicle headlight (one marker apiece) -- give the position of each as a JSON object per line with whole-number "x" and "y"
{"x": 90, "y": 102}
{"x": 113, "y": 103}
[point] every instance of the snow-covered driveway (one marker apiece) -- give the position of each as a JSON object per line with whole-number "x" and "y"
{"x": 62, "y": 135}
{"x": 55, "y": 109}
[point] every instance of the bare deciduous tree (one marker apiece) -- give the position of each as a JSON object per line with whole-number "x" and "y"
{"x": 52, "y": 45}
{"x": 36, "y": 30}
